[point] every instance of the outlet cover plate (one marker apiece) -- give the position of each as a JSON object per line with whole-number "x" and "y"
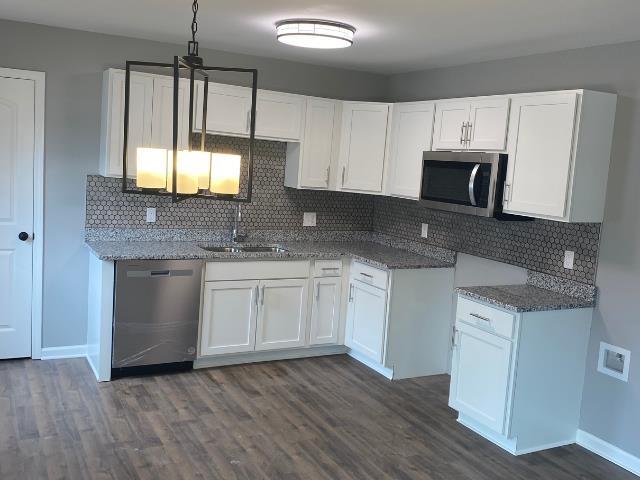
{"x": 309, "y": 219}
{"x": 425, "y": 230}
{"x": 569, "y": 257}
{"x": 151, "y": 215}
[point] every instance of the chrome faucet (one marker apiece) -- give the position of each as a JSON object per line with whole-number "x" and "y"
{"x": 236, "y": 236}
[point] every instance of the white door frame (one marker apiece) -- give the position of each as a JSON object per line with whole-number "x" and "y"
{"x": 38, "y": 203}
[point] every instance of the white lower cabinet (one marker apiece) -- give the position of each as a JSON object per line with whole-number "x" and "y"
{"x": 517, "y": 378}
{"x": 229, "y": 317}
{"x": 367, "y": 316}
{"x": 325, "y": 310}
{"x": 282, "y": 316}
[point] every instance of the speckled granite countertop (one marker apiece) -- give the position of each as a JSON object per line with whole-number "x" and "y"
{"x": 369, "y": 252}
{"x": 524, "y": 298}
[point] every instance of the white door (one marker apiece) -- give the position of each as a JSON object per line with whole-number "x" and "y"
{"x": 410, "y": 136}
{"x": 140, "y": 119}
{"x": 317, "y": 144}
{"x": 162, "y": 123}
{"x": 279, "y": 115}
{"x": 363, "y": 146}
{"x": 325, "y": 310}
{"x": 480, "y": 376}
{"x": 17, "y": 146}
{"x": 448, "y": 130}
{"x": 229, "y": 317}
{"x": 488, "y": 124}
{"x": 282, "y": 319}
{"x": 366, "y": 318}
{"x": 540, "y": 152}
{"x": 228, "y": 109}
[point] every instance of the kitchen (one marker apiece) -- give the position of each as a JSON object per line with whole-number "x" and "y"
{"x": 405, "y": 241}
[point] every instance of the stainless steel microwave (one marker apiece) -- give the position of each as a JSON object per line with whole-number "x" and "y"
{"x": 464, "y": 182}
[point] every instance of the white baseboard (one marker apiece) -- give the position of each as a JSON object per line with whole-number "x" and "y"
{"x": 608, "y": 451}
{"x": 70, "y": 351}
{"x": 385, "y": 372}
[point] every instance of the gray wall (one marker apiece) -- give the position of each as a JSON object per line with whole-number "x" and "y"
{"x": 610, "y": 408}
{"x": 74, "y": 62}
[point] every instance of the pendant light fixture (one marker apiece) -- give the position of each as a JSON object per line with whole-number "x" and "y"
{"x": 315, "y": 33}
{"x": 193, "y": 172}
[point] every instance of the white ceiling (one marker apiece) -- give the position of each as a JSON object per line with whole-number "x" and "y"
{"x": 392, "y": 35}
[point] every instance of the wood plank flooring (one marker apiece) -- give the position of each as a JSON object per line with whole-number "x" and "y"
{"x": 320, "y": 418}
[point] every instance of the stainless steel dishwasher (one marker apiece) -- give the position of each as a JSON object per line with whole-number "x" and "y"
{"x": 156, "y": 313}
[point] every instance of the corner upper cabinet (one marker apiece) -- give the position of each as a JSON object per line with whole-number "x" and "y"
{"x": 411, "y": 131}
{"x": 309, "y": 162}
{"x": 279, "y": 116}
{"x": 559, "y": 150}
{"x": 363, "y": 146}
{"x": 471, "y": 124}
{"x": 112, "y": 120}
{"x": 228, "y": 109}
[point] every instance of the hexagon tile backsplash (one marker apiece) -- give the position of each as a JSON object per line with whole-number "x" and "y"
{"x": 538, "y": 245}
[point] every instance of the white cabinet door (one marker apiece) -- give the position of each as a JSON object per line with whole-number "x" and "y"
{"x": 279, "y": 115}
{"x": 448, "y": 130}
{"x": 540, "y": 152}
{"x": 228, "y": 109}
{"x": 488, "y": 124}
{"x": 140, "y": 120}
{"x": 366, "y": 320}
{"x": 480, "y": 375}
{"x": 229, "y": 317}
{"x": 162, "y": 124}
{"x": 363, "y": 146}
{"x": 411, "y": 131}
{"x": 282, "y": 319}
{"x": 325, "y": 311}
{"x": 317, "y": 144}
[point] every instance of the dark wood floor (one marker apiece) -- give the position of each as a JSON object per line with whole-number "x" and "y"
{"x": 328, "y": 418}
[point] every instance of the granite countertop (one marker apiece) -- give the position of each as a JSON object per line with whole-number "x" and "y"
{"x": 525, "y": 298}
{"x": 369, "y": 252}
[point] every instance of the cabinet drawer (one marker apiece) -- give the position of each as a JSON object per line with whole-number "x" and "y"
{"x": 370, "y": 275}
{"x": 485, "y": 317}
{"x": 327, "y": 268}
{"x": 248, "y": 270}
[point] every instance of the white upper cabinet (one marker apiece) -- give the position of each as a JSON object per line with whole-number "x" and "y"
{"x": 363, "y": 146}
{"x": 228, "y": 109}
{"x": 279, "y": 115}
{"x": 162, "y": 121}
{"x": 309, "y": 163}
{"x": 559, "y": 150}
{"x": 112, "y": 121}
{"x": 411, "y": 130}
{"x": 471, "y": 124}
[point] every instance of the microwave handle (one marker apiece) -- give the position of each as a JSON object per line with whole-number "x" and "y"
{"x": 472, "y": 183}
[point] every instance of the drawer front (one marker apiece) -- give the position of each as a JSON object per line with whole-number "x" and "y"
{"x": 256, "y": 270}
{"x": 483, "y": 316}
{"x": 327, "y": 268}
{"x": 369, "y": 275}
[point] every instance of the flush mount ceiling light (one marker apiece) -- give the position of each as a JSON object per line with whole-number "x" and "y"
{"x": 315, "y": 33}
{"x": 194, "y": 171}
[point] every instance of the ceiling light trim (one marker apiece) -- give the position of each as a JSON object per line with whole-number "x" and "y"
{"x": 312, "y": 32}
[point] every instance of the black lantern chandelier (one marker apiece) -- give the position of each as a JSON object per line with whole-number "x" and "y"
{"x": 193, "y": 172}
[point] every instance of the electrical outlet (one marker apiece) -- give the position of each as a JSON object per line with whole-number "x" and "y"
{"x": 309, "y": 219}
{"x": 425, "y": 230}
{"x": 151, "y": 215}
{"x": 569, "y": 257}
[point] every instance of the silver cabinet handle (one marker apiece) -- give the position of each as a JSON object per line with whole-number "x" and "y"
{"x": 453, "y": 337}
{"x": 257, "y": 295}
{"x": 480, "y": 317}
{"x": 344, "y": 170}
{"x": 472, "y": 183}
{"x": 249, "y": 120}
{"x": 262, "y": 297}
{"x": 467, "y": 136}
{"x": 317, "y": 291}
{"x": 506, "y": 193}
{"x": 350, "y": 292}
{"x": 330, "y": 269}
{"x": 328, "y": 173}
{"x": 462, "y": 127}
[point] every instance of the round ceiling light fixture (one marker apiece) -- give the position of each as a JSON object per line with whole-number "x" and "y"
{"x": 315, "y": 33}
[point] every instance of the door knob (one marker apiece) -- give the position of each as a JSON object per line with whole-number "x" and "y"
{"x": 24, "y": 236}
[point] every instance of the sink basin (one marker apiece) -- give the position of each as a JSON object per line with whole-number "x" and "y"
{"x": 246, "y": 248}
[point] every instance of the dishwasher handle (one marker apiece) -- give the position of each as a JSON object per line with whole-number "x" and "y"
{"x": 158, "y": 273}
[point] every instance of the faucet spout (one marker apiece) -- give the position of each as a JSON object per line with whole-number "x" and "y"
{"x": 236, "y": 236}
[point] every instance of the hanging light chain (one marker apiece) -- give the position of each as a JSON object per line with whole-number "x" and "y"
{"x": 194, "y": 23}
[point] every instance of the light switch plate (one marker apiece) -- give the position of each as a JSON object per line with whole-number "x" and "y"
{"x": 151, "y": 215}
{"x": 309, "y": 219}
{"x": 569, "y": 257}
{"x": 425, "y": 230}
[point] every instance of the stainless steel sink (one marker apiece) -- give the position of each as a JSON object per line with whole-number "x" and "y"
{"x": 246, "y": 248}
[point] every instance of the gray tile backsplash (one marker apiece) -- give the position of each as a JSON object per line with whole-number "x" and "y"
{"x": 538, "y": 245}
